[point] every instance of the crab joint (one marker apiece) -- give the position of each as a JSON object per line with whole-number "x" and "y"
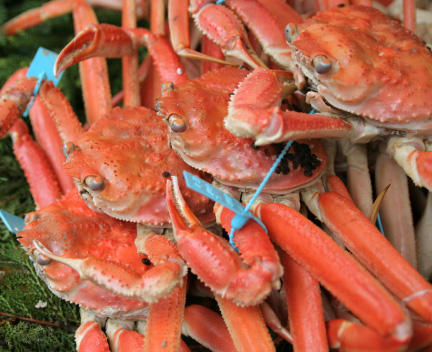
{"x": 322, "y": 64}
{"x": 176, "y": 123}
{"x": 291, "y": 32}
{"x": 95, "y": 183}
{"x": 68, "y": 149}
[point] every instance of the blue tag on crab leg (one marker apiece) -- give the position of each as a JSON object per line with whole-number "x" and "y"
{"x": 42, "y": 67}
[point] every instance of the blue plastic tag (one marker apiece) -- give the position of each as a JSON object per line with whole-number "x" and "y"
{"x": 14, "y": 223}
{"x": 42, "y": 67}
{"x": 205, "y": 188}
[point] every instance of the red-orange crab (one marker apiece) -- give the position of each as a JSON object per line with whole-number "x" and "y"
{"x": 190, "y": 120}
{"x": 360, "y": 61}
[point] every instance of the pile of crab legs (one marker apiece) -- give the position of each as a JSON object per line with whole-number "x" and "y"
{"x": 225, "y": 124}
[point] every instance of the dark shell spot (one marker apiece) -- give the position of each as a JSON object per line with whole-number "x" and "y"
{"x": 166, "y": 174}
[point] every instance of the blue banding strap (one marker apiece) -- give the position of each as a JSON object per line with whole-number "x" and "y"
{"x": 14, "y": 223}
{"x": 42, "y": 67}
{"x": 242, "y": 213}
{"x": 238, "y": 221}
{"x": 218, "y": 2}
{"x": 379, "y": 224}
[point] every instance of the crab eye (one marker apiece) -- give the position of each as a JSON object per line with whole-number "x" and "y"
{"x": 291, "y": 32}
{"x": 95, "y": 183}
{"x": 42, "y": 259}
{"x": 322, "y": 64}
{"x": 176, "y": 123}
{"x": 168, "y": 86}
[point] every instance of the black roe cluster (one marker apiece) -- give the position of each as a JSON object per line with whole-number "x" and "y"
{"x": 302, "y": 156}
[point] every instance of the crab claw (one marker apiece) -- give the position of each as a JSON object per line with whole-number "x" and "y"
{"x": 157, "y": 282}
{"x": 254, "y": 112}
{"x": 214, "y": 261}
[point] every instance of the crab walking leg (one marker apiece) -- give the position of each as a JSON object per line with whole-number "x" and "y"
{"x": 93, "y": 72}
{"x": 415, "y": 157}
{"x": 254, "y": 112}
{"x": 61, "y": 113}
{"x": 424, "y": 240}
{"x": 13, "y": 102}
{"x": 273, "y": 322}
{"x": 130, "y": 62}
{"x": 38, "y": 15}
{"x": 246, "y": 326}
{"x": 230, "y": 35}
{"x": 167, "y": 313}
{"x": 246, "y": 280}
{"x": 395, "y": 208}
{"x": 305, "y": 308}
{"x": 47, "y": 136}
{"x": 214, "y": 334}
{"x": 16, "y": 77}
{"x": 359, "y": 180}
{"x": 89, "y": 336}
{"x": 347, "y": 336}
{"x": 364, "y": 240}
{"x": 38, "y": 171}
{"x": 211, "y": 49}
{"x": 268, "y": 28}
{"x": 336, "y": 270}
{"x": 121, "y": 336}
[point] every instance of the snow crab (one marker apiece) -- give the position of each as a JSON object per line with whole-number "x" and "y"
{"x": 371, "y": 47}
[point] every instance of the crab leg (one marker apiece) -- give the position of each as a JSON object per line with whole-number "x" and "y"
{"x": 336, "y": 270}
{"x": 348, "y": 336}
{"x": 13, "y": 102}
{"x": 364, "y": 240}
{"x": 33, "y": 160}
{"x": 359, "y": 181}
{"x": 305, "y": 309}
{"x": 266, "y": 27}
{"x": 246, "y": 325}
{"x": 167, "y": 313}
{"x": 121, "y": 336}
{"x": 213, "y": 335}
{"x": 414, "y": 156}
{"x": 230, "y": 34}
{"x": 424, "y": 241}
{"x": 89, "y": 336}
{"x": 245, "y": 285}
{"x": 395, "y": 208}
{"x": 130, "y": 62}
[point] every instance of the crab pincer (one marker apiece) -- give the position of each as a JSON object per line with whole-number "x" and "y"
{"x": 246, "y": 279}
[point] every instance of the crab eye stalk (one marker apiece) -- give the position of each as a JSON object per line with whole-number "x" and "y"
{"x": 322, "y": 64}
{"x": 177, "y": 124}
{"x": 95, "y": 183}
{"x": 291, "y": 32}
{"x": 68, "y": 149}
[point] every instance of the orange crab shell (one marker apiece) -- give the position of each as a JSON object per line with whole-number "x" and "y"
{"x": 60, "y": 228}
{"x": 129, "y": 149}
{"x": 380, "y": 70}
{"x": 202, "y": 104}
